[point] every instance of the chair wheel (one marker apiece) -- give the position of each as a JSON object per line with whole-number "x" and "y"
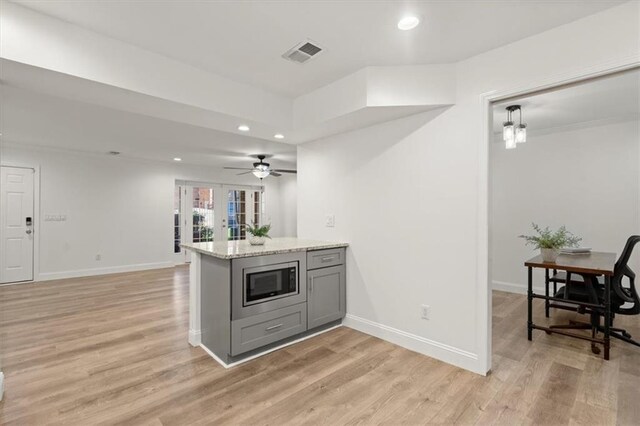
{"x": 595, "y": 349}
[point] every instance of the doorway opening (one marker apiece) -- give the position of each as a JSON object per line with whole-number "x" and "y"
{"x": 579, "y": 167}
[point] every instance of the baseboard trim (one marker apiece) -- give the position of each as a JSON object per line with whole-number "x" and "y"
{"x": 441, "y": 351}
{"x": 252, "y": 357}
{"x": 515, "y": 288}
{"x": 1, "y": 385}
{"x": 16, "y": 283}
{"x": 47, "y": 276}
{"x": 195, "y": 337}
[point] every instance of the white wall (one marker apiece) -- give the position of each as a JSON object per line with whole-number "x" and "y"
{"x": 586, "y": 179}
{"x": 288, "y": 201}
{"x": 40, "y": 40}
{"x": 121, "y": 208}
{"x": 408, "y": 194}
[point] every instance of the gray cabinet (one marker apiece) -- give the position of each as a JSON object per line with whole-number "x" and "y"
{"x": 234, "y": 330}
{"x": 326, "y": 295}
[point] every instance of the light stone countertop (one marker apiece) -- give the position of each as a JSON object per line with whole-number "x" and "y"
{"x": 237, "y": 249}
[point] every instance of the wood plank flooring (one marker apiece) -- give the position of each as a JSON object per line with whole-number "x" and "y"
{"x": 113, "y": 350}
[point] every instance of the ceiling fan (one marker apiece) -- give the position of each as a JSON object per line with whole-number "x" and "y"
{"x": 261, "y": 169}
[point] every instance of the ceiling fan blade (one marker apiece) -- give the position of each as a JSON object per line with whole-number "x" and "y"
{"x": 237, "y": 168}
{"x": 244, "y": 173}
{"x": 274, "y": 173}
{"x": 284, "y": 171}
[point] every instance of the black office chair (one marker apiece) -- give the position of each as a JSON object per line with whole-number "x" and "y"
{"x": 590, "y": 289}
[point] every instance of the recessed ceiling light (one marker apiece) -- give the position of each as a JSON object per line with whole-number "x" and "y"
{"x": 177, "y": 159}
{"x": 408, "y": 23}
{"x": 278, "y": 136}
{"x": 243, "y": 128}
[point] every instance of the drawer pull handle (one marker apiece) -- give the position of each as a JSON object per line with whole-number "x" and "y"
{"x": 273, "y": 327}
{"x": 327, "y": 259}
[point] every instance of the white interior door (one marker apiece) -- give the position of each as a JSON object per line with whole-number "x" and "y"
{"x": 16, "y": 224}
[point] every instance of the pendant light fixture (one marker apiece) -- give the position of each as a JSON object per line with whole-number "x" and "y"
{"x": 512, "y": 134}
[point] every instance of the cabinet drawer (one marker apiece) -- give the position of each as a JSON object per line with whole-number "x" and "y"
{"x": 260, "y": 330}
{"x": 325, "y": 258}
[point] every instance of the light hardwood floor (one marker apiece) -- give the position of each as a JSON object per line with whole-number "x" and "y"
{"x": 113, "y": 349}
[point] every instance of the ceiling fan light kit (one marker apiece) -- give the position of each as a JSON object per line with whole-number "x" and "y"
{"x": 261, "y": 170}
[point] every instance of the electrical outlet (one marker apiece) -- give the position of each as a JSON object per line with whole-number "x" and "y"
{"x": 98, "y": 256}
{"x": 425, "y": 311}
{"x": 330, "y": 221}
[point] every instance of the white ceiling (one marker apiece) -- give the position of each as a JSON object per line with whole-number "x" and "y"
{"x": 33, "y": 118}
{"x": 595, "y": 102}
{"x": 244, "y": 40}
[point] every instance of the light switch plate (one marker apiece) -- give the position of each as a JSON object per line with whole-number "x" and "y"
{"x": 330, "y": 221}
{"x": 425, "y": 311}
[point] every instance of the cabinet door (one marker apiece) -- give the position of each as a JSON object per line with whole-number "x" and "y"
{"x": 326, "y": 295}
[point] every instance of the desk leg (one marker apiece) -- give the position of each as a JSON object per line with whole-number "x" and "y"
{"x": 546, "y": 292}
{"x": 529, "y": 302}
{"x": 607, "y": 315}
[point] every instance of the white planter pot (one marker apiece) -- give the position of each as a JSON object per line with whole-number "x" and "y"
{"x": 549, "y": 255}
{"x": 256, "y": 241}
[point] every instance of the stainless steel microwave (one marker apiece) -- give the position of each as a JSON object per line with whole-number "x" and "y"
{"x": 265, "y": 283}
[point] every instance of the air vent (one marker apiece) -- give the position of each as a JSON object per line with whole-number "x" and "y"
{"x": 302, "y": 52}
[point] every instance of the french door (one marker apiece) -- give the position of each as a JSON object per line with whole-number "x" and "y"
{"x": 206, "y": 212}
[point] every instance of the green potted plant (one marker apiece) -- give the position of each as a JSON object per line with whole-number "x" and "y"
{"x": 550, "y": 242}
{"x": 258, "y": 234}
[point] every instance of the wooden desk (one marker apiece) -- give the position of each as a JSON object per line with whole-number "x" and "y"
{"x": 593, "y": 264}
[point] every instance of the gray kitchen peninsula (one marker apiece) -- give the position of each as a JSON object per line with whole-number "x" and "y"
{"x": 247, "y": 300}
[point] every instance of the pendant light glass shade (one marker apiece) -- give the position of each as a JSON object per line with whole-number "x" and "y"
{"x": 521, "y": 133}
{"x": 510, "y": 143}
{"x": 508, "y": 131}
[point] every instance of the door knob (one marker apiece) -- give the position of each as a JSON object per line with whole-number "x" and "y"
{"x": 28, "y": 231}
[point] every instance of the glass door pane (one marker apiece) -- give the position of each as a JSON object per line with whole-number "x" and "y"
{"x": 236, "y": 214}
{"x": 203, "y": 214}
{"x": 244, "y": 207}
{"x": 258, "y": 207}
{"x": 177, "y": 228}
